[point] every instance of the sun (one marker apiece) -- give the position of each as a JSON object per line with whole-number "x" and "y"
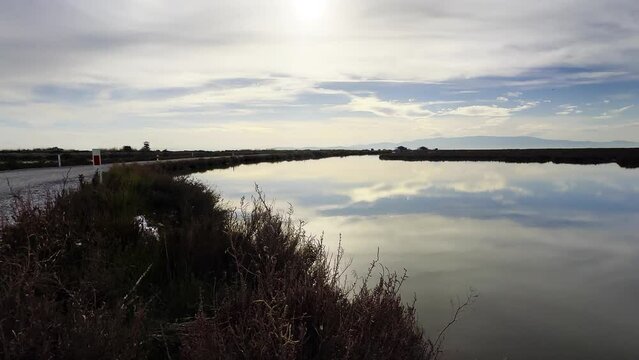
{"x": 309, "y": 10}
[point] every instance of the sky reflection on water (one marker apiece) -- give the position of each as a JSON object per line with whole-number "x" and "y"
{"x": 551, "y": 249}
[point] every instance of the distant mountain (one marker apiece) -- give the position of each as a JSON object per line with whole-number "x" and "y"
{"x": 497, "y": 142}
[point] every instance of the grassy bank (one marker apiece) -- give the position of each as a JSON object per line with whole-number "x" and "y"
{"x": 628, "y": 158}
{"x": 146, "y": 265}
{"x": 39, "y": 158}
{"x": 197, "y": 165}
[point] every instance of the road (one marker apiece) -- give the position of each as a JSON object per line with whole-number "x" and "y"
{"x": 17, "y": 181}
{"x": 36, "y": 183}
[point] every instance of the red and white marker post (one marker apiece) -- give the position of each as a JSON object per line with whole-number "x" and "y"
{"x": 96, "y": 157}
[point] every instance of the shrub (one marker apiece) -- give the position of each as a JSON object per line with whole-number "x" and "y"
{"x": 82, "y": 278}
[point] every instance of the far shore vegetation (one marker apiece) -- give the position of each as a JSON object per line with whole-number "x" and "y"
{"x": 186, "y": 161}
{"x": 147, "y": 265}
{"x": 624, "y": 157}
{"x": 40, "y": 158}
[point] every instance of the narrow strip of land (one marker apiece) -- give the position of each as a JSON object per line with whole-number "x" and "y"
{"x": 624, "y": 157}
{"x": 41, "y": 180}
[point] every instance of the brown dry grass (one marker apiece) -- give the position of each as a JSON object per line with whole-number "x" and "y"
{"x": 79, "y": 278}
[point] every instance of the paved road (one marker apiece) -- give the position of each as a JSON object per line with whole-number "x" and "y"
{"x": 36, "y": 183}
{"x": 12, "y": 181}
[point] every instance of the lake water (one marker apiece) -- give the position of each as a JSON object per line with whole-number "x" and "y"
{"x": 552, "y": 250}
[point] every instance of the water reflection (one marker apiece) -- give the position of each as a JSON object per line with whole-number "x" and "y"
{"x": 552, "y": 249}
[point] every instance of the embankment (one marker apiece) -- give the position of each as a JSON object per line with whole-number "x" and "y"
{"x": 188, "y": 166}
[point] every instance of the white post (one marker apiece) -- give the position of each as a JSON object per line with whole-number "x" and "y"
{"x": 59, "y": 160}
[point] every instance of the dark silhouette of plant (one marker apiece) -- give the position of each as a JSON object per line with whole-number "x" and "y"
{"x": 148, "y": 265}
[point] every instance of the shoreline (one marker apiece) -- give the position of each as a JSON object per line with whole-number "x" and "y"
{"x": 624, "y": 157}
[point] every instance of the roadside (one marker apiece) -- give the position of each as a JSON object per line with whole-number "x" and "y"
{"x": 36, "y": 183}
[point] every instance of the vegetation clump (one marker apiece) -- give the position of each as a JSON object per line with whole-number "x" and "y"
{"x": 624, "y": 157}
{"x": 147, "y": 265}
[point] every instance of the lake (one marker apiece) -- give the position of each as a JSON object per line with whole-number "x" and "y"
{"x": 552, "y": 250}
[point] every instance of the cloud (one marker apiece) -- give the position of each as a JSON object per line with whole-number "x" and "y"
{"x": 489, "y": 111}
{"x": 73, "y": 64}
{"x": 140, "y": 41}
{"x": 553, "y": 77}
{"x": 379, "y": 191}
{"x": 383, "y": 108}
{"x": 568, "y": 109}
{"x": 481, "y": 110}
{"x": 614, "y": 112}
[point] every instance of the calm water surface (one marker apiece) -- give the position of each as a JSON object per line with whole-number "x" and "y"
{"x": 552, "y": 250}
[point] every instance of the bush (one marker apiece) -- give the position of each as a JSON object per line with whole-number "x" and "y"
{"x": 146, "y": 265}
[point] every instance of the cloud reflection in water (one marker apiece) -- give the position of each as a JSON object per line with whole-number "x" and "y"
{"x": 551, "y": 248}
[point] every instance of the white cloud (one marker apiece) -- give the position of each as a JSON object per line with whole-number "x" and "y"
{"x": 160, "y": 44}
{"x": 568, "y": 109}
{"x": 394, "y": 109}
{"x": 614, "y": 112}
{"x": 266, "y": 91}
{"x": 146, "y": 42}
{"x": 481, "y": 110}
{"x": 502, "y": 98}
{"x": 489, "y": 111}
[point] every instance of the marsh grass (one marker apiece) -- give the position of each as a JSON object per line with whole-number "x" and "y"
{"x": 80, "y": 278}
{"x": 189, "y": 166}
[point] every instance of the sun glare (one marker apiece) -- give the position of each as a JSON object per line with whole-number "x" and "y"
{"x": 309, "y": 10}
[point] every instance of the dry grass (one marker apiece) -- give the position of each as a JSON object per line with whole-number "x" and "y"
{"x": 80, "y": 278}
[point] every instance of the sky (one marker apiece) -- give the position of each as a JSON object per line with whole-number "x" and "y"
{"x": 230, "y": 74}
